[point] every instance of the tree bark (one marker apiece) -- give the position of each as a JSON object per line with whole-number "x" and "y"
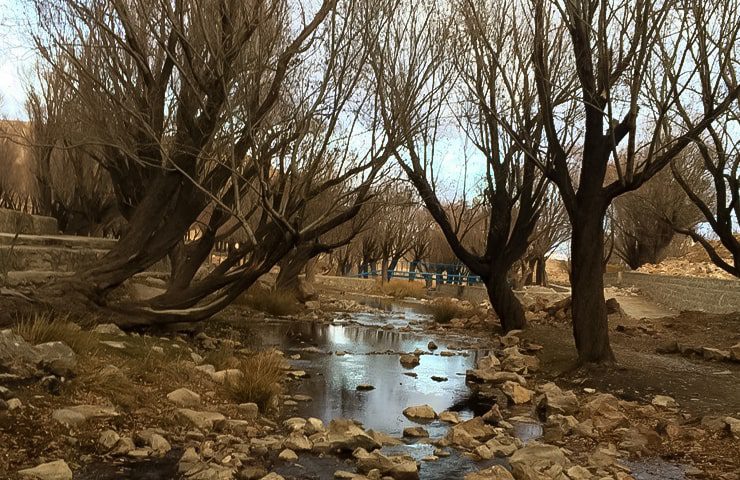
{"x": 590, "y": 325}
{"x": 504, "y": 302}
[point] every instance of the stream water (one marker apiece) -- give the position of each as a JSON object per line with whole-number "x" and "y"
{"x": 369, "y": 355}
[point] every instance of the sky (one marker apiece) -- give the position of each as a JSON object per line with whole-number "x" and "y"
{"x": 16, "y": 60}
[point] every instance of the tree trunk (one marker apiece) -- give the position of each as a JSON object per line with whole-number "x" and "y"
{"x": 541, "y": 272}
{"x": 590, "y": 325}
{"x": 412, "y": 271}
{"x": 290, "y": 267}
{"x": 504, "y": 302}
{"x": 384, "y": 270}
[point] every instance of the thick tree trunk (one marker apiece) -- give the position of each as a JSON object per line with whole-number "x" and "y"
{"x": 590, "y": 326}
{"x": 412, "y": 271}
{"x": 541, "y": 273}
{"x": 504, "y": 302}
{"x": 290, "y": 267}
{"x": 384, "y": 270}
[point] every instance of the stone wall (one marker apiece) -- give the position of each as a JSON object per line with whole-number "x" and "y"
{"x": 683, "y": 293}
{"x": 12, "y": 221}
{"x": 352, "y": 284}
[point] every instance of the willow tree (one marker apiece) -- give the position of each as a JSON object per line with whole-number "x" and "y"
{"x": 216, "y": 112}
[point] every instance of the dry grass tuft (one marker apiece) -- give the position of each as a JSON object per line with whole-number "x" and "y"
{"x": 110, "y": 383}
{"x": 401, "y": 288}
{"x": 261, "y": 381}
{"x": 222, "y": 359}
{"x": 47, "y": 327}
{"x": 445, "y": 310}
{"x": 274, "y": 302}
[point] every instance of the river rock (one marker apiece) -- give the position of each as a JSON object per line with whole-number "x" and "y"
{"x": 288, "y": 455}
{"x": 345, "y": 435}
{"x": 556, "y": 401}
{"x": 108, "y": 439}
{"x": 74, "y": 416}
{"x": 17, "y": 356}
{"x": 421, "y": 412}
{"x": 493, "y": 416}
{"x": 532, "y": 461}
{"x": 515, "y": 361}
{"x": 57, "y": 358}
{"x": 313, "y": 425}
{"x": 153, "y": 439}
{"x": 14, "y": 404}
{"x": 57, "y": 470}
{"x": 510, "y": 339}
{"x": 200, "y": 420}
{"x": 516, "y": 393}
{"x": 470, "y": 434}
{"x": 409, "y": 360}
{"x": 432, "y": 346}
{"x": 249, "y": 410}
{"x": 399, "y": 467}
{"x": 503, "y": 445}
{"x": 184, "y": 397}
{"x": 496, "y": 472}
{"x": 109, "y": 329}
{"x": 298, "y": 442}
{"x": 489, "y": 376}
{"x": 415, "y": 432}
{"x": 364, "y": 387}
{"x": 450, "y": 417}
{"x": 578, "y": 472}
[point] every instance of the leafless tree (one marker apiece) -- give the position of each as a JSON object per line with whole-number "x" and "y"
{"x": 644, "y": 219}
{"x": 632, "y": 65}
{"x": 719, "y": 151}
{"x": 477, "y": 73}
{"x": 252, "y": 116}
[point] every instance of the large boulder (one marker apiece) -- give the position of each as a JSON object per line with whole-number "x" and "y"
{"x": 493, "y": 376}
{"x": 57, "y": 358}
{"x": 58, "y": 470}
{"x": 471, "y": 433}
{"x": 399, "y": 467}
{"x": 17, "y": 356}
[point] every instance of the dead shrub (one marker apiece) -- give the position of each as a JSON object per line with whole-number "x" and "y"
{"x": 111, "y": 383}
{"x": 274, "y": 302}
{"x": 260, "y": 382}
{"x": 446, "y": 309}
{"x": 47, "y": 327}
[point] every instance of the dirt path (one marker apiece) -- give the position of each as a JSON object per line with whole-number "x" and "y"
{"x": 701, "y": 387}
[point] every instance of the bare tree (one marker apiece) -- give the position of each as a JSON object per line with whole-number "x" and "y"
{"x": 473, "y": 71}
{"x": 719, "y": 150}
{"x": 627, "y": 58}
{"x": 644, "y": 219}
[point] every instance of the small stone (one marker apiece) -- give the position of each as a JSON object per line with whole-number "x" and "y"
{"x": 437, "y": 378}
{"x": 111, "y": 344}
{"x": 516, "y": 393}
{"x": 302, "y": 398}
{"x": 423, "y": 412}
{"x": 450, "y": 417}
{"x": 108, "y": 439}
{"x": 409, "y": 361}
{"x": 715, "y": 354}
{"x": 200, "y": 420}
{"x": 249, "y": 410}
{"x": 446, "y": 353}
{"x": 664, "y": 401}
{"x": 184, "y": 397}
{"x": 288, "y": 455}
{"x": 57, "y": 470}
{"x": 496, "y": 472}
{"x": 365, "y": 387}
{"x": 14, "y": 404}
{"x": 432, "y": 346}
{"x": 415, "y": 432}
{"x": 109, "y": 329}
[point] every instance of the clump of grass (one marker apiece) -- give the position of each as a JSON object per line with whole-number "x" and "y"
{"x": 261, "y": 381}
{"x": 111, "y": 383}
{"x": 445, "y": 310}
{"x": 47, "y": 327}
{"x": 401, "y": 288}
{"x": 273, "y": 302}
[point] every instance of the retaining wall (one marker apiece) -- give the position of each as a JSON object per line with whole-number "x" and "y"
{"x": 709, "y": 295}
{"x": 12, "y": 221}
